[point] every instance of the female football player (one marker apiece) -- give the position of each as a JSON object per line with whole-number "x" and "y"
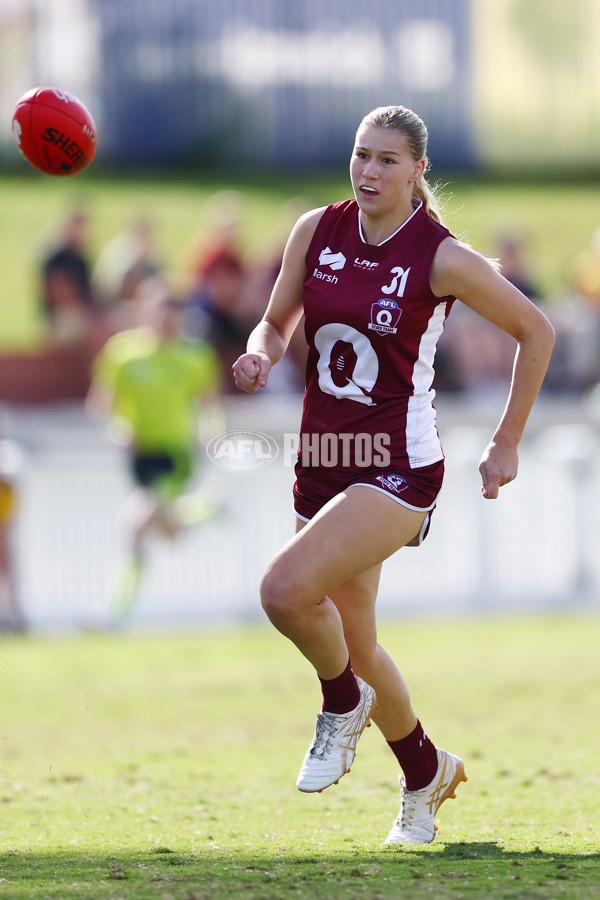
{"x": 376, "y": 277}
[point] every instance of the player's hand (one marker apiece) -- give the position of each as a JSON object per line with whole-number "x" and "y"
{"x": 499, "y": 465}
{"x": 251, "y": 371}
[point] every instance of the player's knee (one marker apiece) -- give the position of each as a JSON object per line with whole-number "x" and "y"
{"x": 280, "y": 597}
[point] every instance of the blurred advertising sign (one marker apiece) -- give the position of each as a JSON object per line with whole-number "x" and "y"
{"x": 501, "y": 84}
{"x": 256, "y": 81}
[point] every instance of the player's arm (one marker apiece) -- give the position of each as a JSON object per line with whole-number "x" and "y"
{"x": 269, "y": 340}
{"x": 99, "y": 400}
{"x": 460, "y": 272}
{"x": 100, "y": 404}
{"x": 101, "y": 393}
{"x": 102, "y": 398}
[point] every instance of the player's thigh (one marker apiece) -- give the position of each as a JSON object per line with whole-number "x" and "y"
{"x": 355, "y": 600}
{"x": 166, "y": 521}
{"x": 140, "y": 508}
{"x": 356, "y": 531}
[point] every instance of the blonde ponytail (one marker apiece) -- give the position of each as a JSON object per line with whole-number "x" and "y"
{"x": 424, "y": 192}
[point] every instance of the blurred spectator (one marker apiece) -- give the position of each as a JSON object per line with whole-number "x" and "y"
{"x": 67, "y": 298}
{"x": 220, "y": 310}
{"x": 76, "y": 325}
{"x": 473, "y": 356}
{"x": 575, "y": 364}
{"x": 122, "y": 265}
{"x": 515, "y": 265}
{"x": 222, "y": 234}
{"x": 148, "y": 383}
{"x": 476, "y": 356}
{"x": 218, "y": 300}
{"x": 11, "y": 616}
{"x": 448, "y": 376}
{"x": 585, "y": 276}
{"x": 289, "y": 374}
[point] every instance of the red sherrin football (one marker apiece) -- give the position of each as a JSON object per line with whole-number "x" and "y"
{"x": 54, "y": 131}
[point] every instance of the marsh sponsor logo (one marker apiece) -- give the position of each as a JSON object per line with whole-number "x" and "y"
{"x": 324, "y": 276}
{"x": 334, "y": 260}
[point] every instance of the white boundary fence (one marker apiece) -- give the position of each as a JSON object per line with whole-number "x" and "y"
{"x": 534, "y": 548}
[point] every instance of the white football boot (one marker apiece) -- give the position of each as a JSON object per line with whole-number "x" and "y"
{"x": 333, "y": 749}
{"x": 415, "y": 823}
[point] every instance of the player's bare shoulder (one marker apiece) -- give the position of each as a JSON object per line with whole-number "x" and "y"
{"x": 298, "y": 243}
{"x": 286, "y": 301}
{"x": 454, "y": 264}
{"x": 304, "y": 230}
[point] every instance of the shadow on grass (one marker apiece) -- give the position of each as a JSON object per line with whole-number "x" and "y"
{"x": 473, "y": 869}
{"x": 491, "y": 850}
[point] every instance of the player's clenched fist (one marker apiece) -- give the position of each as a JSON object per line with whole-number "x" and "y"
{"x": 251, "y": 371}
{"x": 499, "y": 465}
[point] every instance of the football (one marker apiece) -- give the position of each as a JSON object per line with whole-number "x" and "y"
{"x": 54, "y": 131}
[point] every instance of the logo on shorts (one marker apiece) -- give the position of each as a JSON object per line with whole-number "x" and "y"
{"x": 385, "y": 315}
{"x": 393, "y": 482}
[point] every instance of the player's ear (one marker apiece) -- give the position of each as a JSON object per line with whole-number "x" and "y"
{"x": 418, "y": 170}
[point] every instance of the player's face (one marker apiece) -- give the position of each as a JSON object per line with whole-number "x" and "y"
{"x": 166, "y": 317}
{"x": 383, "y": 172}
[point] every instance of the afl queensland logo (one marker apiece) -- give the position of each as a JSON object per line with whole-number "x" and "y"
{"x": 385, "y": 315}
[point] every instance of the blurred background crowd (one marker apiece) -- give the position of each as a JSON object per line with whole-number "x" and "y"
{"x": 225, "y": 292}
{"x": 85, "y": 297}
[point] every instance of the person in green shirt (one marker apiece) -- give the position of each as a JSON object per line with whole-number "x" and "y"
{"x": 149, "y": 382}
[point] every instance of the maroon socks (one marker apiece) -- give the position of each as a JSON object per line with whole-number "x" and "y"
{"x": 417, "y": 757}
{"x": 415, "y": 753}
{"x": 341, "y": 694}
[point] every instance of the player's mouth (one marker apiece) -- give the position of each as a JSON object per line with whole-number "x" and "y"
{"x": 368, "y": 191}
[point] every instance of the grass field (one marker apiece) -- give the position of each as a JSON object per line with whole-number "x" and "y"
{"x": 557, "y": 219}
{"x": 163, "y": 767}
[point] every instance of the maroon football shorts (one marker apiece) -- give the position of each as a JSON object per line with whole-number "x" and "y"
{"x": 416, "y": 489}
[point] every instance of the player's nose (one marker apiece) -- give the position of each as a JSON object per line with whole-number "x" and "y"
{"x": 369, "y": 169}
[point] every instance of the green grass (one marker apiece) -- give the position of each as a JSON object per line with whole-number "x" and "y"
{"x": 557, "y": 219}
{"x": 163, "y": 767}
